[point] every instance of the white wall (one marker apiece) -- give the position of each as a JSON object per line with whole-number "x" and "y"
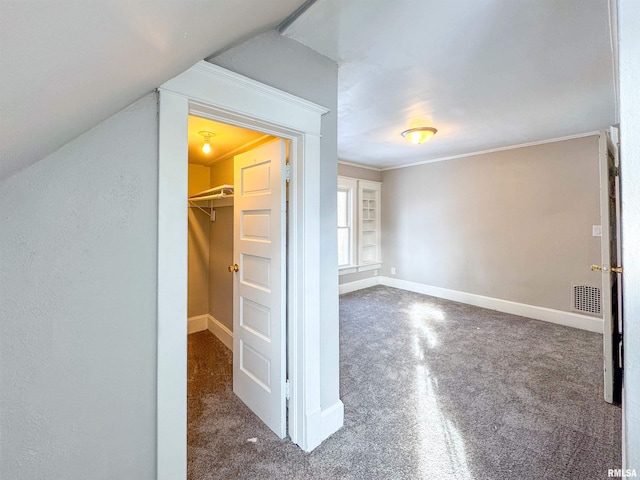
{"x": 289, "y": 66}
{"x": 629, "y": 35}
{"x": 78, "y": 252}
{"x": 513, "y": 225}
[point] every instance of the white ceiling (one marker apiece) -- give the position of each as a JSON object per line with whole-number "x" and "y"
{"x": 228, "y": 141}
{"x": 486, "y": 73}
{"x": 67, "y": 65}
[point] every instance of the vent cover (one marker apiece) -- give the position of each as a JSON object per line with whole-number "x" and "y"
{"x": 586, "y": 299}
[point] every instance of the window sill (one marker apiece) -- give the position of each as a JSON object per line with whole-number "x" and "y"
{"x": 358, "y": 268}
{"x": 369, "y": 266}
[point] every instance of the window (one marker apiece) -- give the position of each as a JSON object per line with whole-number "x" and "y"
{"x": 358, "y": 225}
{"x": 347, "y": 188}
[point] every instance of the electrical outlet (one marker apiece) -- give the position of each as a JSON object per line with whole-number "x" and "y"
{"x": 596, "y": 230}
{"x": 375, "y": 273}
{"x": 393, "y": 270}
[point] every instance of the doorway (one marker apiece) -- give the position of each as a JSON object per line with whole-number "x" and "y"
{"x": 208, "y": 91}
{"x": 237, "y": 258}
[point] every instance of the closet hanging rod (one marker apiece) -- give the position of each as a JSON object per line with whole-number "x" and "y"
{"x": 210, "y": 197}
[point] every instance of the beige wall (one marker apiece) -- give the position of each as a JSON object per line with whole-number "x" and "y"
{"x": 222, "y": 173}
{"x": 198, "y": 245}
{"x": 514, "y": 225}
{"x": 221, "y": 251}
{"x": 357, "y": 172}
{"x": 199, "y": 178}
{"x": 364, "y": 174}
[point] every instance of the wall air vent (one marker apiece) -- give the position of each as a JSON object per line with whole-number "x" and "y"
{"x": 586, "y": 299}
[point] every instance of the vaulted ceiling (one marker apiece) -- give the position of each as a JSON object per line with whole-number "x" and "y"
{"x": 486, "y": 73}
{"x": 67, "y": 65}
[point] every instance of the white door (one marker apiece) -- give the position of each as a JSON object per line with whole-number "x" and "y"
{"x": 611, "y": 270}
{"x": 259, "y": 289}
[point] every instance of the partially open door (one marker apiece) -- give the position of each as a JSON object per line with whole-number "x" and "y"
{"x": 259, "y": 290}
{"x": 610, "y": 268}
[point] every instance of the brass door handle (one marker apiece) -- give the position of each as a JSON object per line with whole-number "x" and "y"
{"x": 598, "y": 268}
{"x": 234, "y": 267}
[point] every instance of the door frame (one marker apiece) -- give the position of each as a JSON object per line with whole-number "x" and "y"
{"x": 213, "y": 92}
{"x": 607, "y": 143}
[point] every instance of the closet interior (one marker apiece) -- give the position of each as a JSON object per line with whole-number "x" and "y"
{"x": 212, "y": 148}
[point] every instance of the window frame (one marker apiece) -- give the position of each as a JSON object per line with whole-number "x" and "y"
{"x": 350, "y": 186}
{"x": 354, "y": 188}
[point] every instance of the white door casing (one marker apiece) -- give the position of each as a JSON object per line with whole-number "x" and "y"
{"x": 610, "y": 253}
{"x": 259, "y": 287}
{"x": 212, "y": 92}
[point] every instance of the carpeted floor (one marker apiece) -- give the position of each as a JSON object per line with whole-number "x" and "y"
{"x": 432, "y": 389}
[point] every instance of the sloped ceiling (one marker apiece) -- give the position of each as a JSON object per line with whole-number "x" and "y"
{"x": 486, "y": 73}
{"x": 65, "y": 66}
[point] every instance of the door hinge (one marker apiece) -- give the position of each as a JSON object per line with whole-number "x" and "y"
{"x": 287, "y": 389}
{"x": 287, "y": 172}
{"x": 620, "y": 353}
{"x": 615, "y": 171}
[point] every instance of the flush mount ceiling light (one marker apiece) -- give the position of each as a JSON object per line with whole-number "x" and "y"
{"x": 419, "y": 135}
{"x": 206, "y": 143}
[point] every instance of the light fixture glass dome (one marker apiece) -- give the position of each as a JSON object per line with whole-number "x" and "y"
{"x": 419, "y": 135}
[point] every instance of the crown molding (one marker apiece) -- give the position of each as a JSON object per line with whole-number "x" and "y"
{"x": 359, "y": 165}
{"x": 492, "y": 150}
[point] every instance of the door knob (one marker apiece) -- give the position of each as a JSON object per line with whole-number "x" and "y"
{"x": 234, "y": 267}
{"x": 598, "y": 268}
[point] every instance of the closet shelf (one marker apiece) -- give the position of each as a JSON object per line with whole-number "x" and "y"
{"x": 221, "y": 191}
{"x": 220, "y": 196}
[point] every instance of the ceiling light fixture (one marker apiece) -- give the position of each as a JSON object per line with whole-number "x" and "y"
{"x": 206, "y": 144}
{"x": 419, "y": 135}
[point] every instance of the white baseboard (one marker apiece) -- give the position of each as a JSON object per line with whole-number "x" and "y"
{"x": 219, "y": 330}
{"x": 332, "y": 419}
{"x": 358, "y": 285}
{"x": 568, "y": 319}
{"x": 197, "y": 323}
{"x": 321, "y": 424}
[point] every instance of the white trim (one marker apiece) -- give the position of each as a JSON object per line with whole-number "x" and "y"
{"x": 568, "y": 319}
{"x": 492, "y": 150}
{"x": 221, "y": 331}
{"x": 369, "y": 266}
{"x": 359, "y": 284}
{"x": 171, "y": 411}
{"x": 332, "y": 419}
{"x": 213, "y": 92}
{"x": 359, "y": 165}
{"x": 197, "y": 323}
{"x": 350, "y": 269}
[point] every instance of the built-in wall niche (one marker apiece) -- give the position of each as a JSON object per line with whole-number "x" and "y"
{"x": 359, "y": 247}
{"x": 369, "y": 223}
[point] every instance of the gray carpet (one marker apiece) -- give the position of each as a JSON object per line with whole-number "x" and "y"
{"x": 432, "y": 389}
